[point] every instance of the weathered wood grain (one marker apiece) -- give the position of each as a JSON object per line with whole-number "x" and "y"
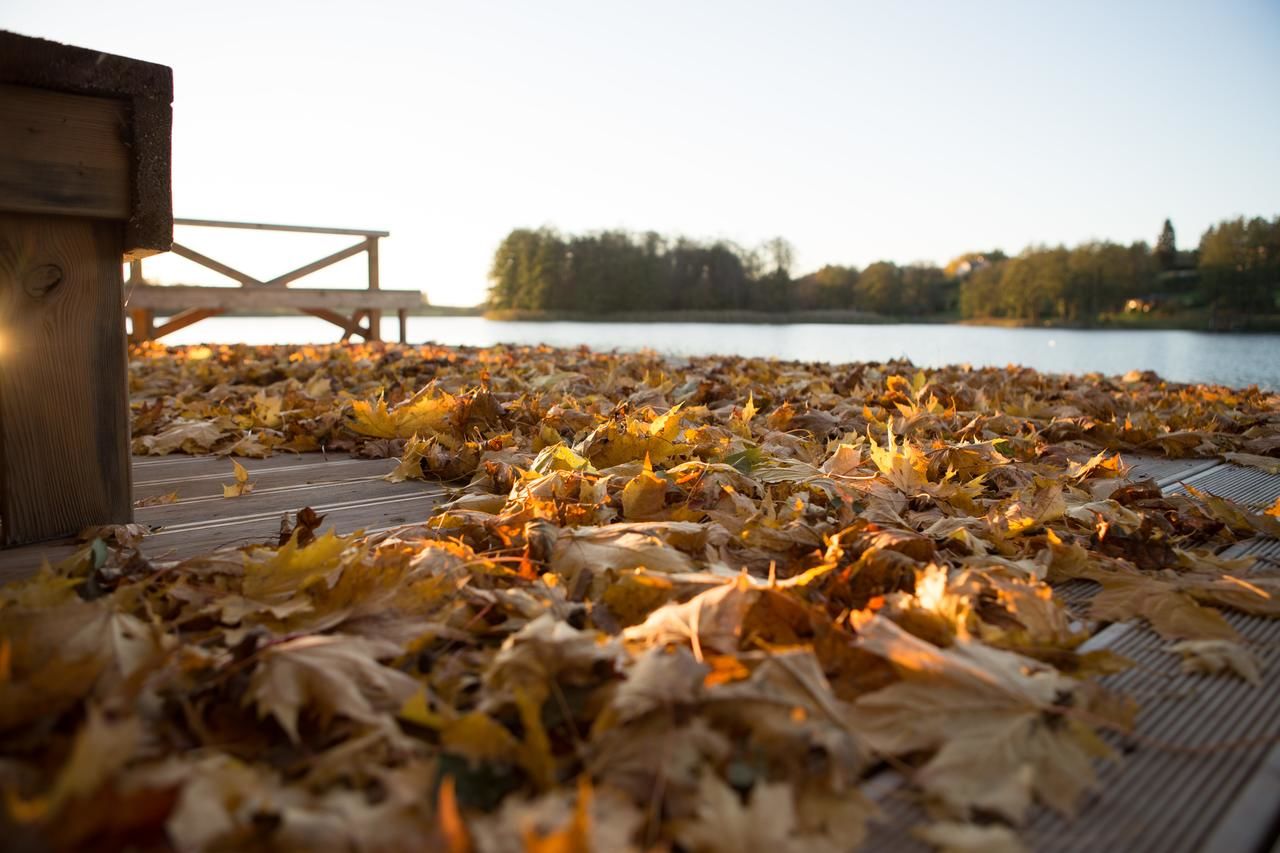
{"x": 63, "y": 154}
{"x": 144, "y": 90}
{"x": 64, "y": 409}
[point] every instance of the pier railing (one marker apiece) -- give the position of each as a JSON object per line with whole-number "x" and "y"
{"x": 184, "y": 304}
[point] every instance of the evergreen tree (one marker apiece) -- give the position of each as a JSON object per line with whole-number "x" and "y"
{"x": 1167, "y": 247}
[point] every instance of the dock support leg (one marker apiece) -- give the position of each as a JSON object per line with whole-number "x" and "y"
{"x": 403, "y": 315}
{"x": 64, "y": 404}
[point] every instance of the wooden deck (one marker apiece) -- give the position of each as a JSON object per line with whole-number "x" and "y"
{"x": 1219, "y": 790}
{"x": 349, "y": 492}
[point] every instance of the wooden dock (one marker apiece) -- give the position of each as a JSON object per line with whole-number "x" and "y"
{"x": 1200, "y": 773}
{"x": 350, "y": 492}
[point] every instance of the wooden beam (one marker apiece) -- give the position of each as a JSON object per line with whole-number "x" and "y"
{"x": 340, "y": 321}
{"x": 375, "y": 316}
{"x": 169, "y": 298}
{"x": 314, "y": 266}
{"x": 64, "y": 391}
{"x": 63, "y": 154}
{"x": 301, "y": 229}
{"x": 181, "y": 320}
{"x": 403, "y": 316}
{"x": 143, "y": 89}
{"x": 217, "y": 266}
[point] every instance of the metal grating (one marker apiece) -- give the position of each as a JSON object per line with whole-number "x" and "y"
{"x": 1075, "y": 595}
{"x": 1251, "y": 487}
{"x": 1218, "y": 790}
{"x": 1266, "y": 550}
{"x": 1154, "y": 798}
{"x": 1166, "y": 471}
{"x": 1165, "y": 800}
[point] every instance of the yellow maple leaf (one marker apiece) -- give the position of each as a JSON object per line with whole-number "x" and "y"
{"x": 241, "y": 486}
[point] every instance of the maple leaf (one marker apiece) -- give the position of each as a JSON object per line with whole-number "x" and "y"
{"x": 995, "y": 722}
{"x": 618, "y": 546}
{"x": 549, "y": 650}
{"x": 614, "y": 444}
{"x": 765, "y": 823}
{"x": 188, "y": 436}
{"x": 328, "y": 676}
{"x": 1213, "y": 656}
{"x": 644, "y": 496}
{"x": 659, "y": 679}
{"x": 409, "y": 466}
{"x": 711, "y": 621}
{"x": 241, "y": 486}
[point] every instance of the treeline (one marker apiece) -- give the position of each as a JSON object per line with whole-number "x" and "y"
{"x": 1236, "y": 268}
{"x": 618, "y": 271}
{"x": 614, "y": 271}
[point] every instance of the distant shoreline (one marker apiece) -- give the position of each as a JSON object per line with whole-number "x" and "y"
{"x": 1190, "y": 321}
{"x": 1194, "y": 322}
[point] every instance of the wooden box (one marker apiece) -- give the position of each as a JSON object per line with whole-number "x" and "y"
{"x": 84, "y": 185}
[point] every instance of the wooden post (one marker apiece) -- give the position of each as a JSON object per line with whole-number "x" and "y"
{"x": 84, "y": 182}
{"x": 144, "y": 320}
{"x": 403, "y": 314}
{"x": 375, "y": 314}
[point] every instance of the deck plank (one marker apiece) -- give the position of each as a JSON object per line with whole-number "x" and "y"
{"x": 350, "y": 492}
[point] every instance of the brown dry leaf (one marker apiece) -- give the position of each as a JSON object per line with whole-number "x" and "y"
{"x": 765, "y": 823}
{"x": 156, "y": 500}
{"x": 1270, "y": 464}
{"x": 328, "y": 676}
{"x": 549, "y": 650}
{"x": 617, "y": 546}
{"x": 101, "y": 748}
{"x": 187, "y": 436}
{"x": 996, "y": 723}
{"x": 710, "y": 622}
{"x": 1214, "y": 656}
{"x": 1236, "y": 517}
{"x": 659, "y": 678}
{"x": 956, "y": 837}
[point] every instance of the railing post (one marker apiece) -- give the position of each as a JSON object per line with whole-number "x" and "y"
{"x": 375, "y": 314}
{"x": 144, "y": 320}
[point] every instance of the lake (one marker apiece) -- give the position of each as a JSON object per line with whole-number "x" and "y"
{"x": 1228, "y": 359}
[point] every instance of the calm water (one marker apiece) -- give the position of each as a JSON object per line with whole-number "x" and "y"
{"x": 1181, "y": 356}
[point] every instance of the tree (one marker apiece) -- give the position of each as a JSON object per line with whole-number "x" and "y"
{"x": 1240, "y": 264}
{"x": 1167, "y": 247}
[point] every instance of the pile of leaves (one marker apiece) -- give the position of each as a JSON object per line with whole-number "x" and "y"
{"x": 673, "y": 604}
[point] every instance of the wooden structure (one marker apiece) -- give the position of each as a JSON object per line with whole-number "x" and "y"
{"x": 84, "y": 183}
{"x": 187, "y": 304}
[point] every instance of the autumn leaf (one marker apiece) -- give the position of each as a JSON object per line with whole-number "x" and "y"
{"x": 241, "y": 486}
{"x": 328, "y": 676}
{"x": 765, "y": 823}
{"x": 996, "y": 723}
{"x": 1213, "y": 656}
{"x": 101, "y": 748}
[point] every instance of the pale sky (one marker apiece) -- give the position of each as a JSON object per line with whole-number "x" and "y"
{"x": 859, "y": 131}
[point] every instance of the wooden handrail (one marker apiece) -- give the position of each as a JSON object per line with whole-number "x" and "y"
{"x": 302, "y": 229}
{"x": 203, "y": 302}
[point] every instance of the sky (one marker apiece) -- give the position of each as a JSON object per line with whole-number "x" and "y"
{"x": 909, "y": 131}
